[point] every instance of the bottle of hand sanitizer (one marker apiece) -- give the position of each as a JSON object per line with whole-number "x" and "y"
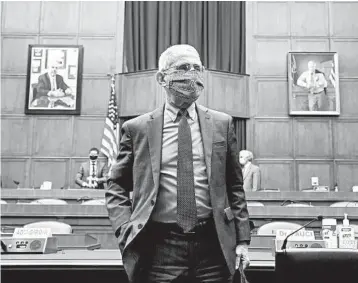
{"x": 346, "y": 235}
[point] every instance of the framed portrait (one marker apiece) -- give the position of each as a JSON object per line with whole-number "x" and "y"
{"x": 54, "y": 79}
{"x": 313, "y": 83}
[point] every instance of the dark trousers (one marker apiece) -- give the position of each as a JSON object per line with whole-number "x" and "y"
{"x": 173, "y": 256}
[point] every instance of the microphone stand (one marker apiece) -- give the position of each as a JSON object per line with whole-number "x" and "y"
{"x": 284, "y": 244}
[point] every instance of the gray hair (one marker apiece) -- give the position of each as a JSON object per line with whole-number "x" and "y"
{"x": 171, "y": 55}
{"x": 248, "y": 153}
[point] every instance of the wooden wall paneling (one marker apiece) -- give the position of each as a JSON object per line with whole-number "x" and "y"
{"x": 345, "y": 141}
{"x": 250, "y": 31}
{"x": 272, "y": 97}
{"x": 313, "y": 138}
{"x": 273, "y": 138}
{"x": 252, "y": 99}
{"x": 21, "y": 17}
{"x": 74, "y": 168}
{"x": 53, "y": 136}
{"x": 309, "y": 19}
{"x": 227, "y": 93}
{"x": 271, "y": 18}
{"x": 310, "y": 45}
{"x": 60, "y": 18}
{"x": 105, "y": 14}
{"x": 63, "y": 40}
{"x": 99, "y": 55}
{"x": 89, "y": 132}
{"x": 16, "y": 136}
{"x": 321, "y": 169}
{"x": 14, "y": 170}
{"x": 95, "y": 95}
{"x": 14, "y": 53}
{"x": 120, "y": 36}
{"x": 271, "y": 56}
{"x": 349, "y": 97}
{"x": 276, "y": 174}
{"x": 250, "y": 135}
{"x": 347, "y": 176}
{"x": 13, "y": 93}
{"x": 54, "y": 170}
{"x": 347, "y": 56}
{"x": 138, "y": 93}
{"x": 344, "y": 18}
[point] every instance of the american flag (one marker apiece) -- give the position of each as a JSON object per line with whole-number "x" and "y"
{"x": 332, "y": 75}
{"x": 109, "y": 146}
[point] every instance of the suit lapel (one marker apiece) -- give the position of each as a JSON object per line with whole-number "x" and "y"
{"x": 155, "y": 132}
{"x": 98, "y": 168}
{"x": 206, "y": 128}
{"x": 48, "y": 80}
{"x": 246, "y": 173}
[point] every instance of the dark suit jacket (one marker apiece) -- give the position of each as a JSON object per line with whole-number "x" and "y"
{"x": 252, "y": 179}
{"x": 84, "y": 172}
{"x": 138, "y": 168}
{"x": 44, "y": 85}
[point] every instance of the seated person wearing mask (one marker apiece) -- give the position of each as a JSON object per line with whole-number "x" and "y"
{"x": 251, "y": 173}
{"x": 93, "y": 173}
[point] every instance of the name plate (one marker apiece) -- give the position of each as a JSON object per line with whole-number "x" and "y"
{"x": 32, "y": 233}
{"x": 302, "y": 235}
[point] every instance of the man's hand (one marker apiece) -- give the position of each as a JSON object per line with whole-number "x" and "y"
{"x": 84, "y": 185}
{"x": 242, "y": 256}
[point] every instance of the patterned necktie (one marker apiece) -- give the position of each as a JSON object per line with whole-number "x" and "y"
{"x": 186, "y": 206}
{"x": 93, "y": 169}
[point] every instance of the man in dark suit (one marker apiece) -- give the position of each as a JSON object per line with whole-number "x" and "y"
{"x": 188, "y": 219}
{"x": 50, "y": 82}
{"x": 52, "y": 90}
{"x": 251, "y": 173}
{"x": 93, "y": 173}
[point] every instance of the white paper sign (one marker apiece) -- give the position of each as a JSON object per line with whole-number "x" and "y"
{"x": 32, "y": 233}
{"x": 301, "y": 235}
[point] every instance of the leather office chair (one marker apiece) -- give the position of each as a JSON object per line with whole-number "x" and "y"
{"x": 254, "y": 203}
{"x": 94, "y": 202}
{"x": 271, "y": 228}
{"x": 49, "y": 201}
{"x": 56, "y": 227}
{"x": 2, "y": 201}
{"x": 344, "y": 204}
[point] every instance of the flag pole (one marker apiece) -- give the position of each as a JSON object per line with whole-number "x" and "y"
{"x": 110, "y": 139}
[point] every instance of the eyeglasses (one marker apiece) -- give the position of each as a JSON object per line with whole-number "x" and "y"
{"x": 187, "y": 67}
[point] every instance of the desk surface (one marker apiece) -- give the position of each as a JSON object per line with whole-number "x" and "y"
{"x": 100, "y": 211}
{"x": 74, "y": 194}
{"x": 82, "y": 259}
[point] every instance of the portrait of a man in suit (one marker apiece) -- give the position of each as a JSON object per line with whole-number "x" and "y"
{"x": 251, "y": 172}
{"x": 51, "y": 89}
{"x": 315, "y": 83}
{"x": 188, "y": 214}
{"x": 93, "y": 174}
{"x": 313, "y": 86}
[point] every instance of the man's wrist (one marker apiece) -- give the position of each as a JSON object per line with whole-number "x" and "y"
{"x": 243, "y": 243}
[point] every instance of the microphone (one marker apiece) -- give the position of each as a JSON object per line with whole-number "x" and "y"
{"x": 284, "y": 244}
{"x": 84, "y": 198}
